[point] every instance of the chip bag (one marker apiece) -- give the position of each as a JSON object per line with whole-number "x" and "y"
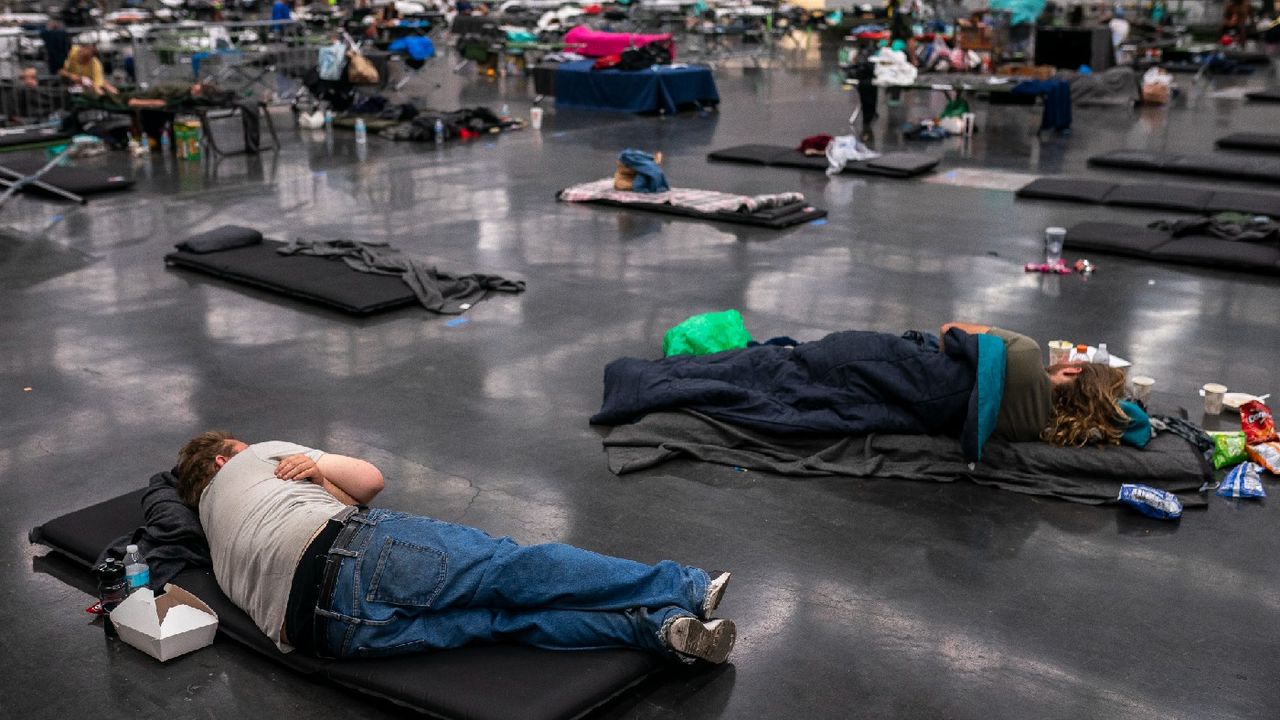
{"x": 1257, "y": 423}
{"x": 1152, "y": 502}
{"x": 1267, "y": 455}
{"x": 1228, "y": 449}
{"x": 1244, "y": 481}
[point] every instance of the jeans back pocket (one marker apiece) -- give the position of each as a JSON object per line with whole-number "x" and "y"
{"x": 408, "y": 574}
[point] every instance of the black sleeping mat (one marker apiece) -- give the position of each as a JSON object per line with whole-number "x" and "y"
{"x": 1158, "y": 245}
{"x": 1151, "y": 195}
{"x": 79, "y": 180}
{"x": 1268, "y": 95}
{"x": 11, "y": 138}
{"x": 1261, "y": 142}
{"x": 478, "y": 682}
{"x": 896, "y": 164}
{"x": 314, "y": 279}
{"x": 1231, "y": 167}
{"x": 775, "y": 218}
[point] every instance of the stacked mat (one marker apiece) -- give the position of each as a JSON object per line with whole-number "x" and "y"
{"x": 1231, "y": 167}
{"x": 896, "y": 164}
{"x": 1183, "y": 198}
{"x": 1258, "y": 142}
{"x": 1161, "y": 246}
{"x": 1268, "y": 95}
{"x": 770, "y": 211}
{"x": 478, "y": 682}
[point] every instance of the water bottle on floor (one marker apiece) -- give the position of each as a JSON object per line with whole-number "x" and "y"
{"x": 362, "y": 134}
{"x": 135, "y": 569}
{"x": 1101, "y": 356}
{"x": 439, "y": 131}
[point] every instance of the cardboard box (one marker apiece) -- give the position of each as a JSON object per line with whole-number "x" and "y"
{"x": 164, "y": 627}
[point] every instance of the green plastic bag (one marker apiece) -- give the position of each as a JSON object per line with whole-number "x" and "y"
{"x": 707, "y": 333}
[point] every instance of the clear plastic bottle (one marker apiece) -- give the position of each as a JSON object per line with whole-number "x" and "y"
{"x": 439, "y": 131}
{"x": 505, "y": 112}
{"x": 164, "y": 141}
{"x": 1101, "y": 356}
{"x": 1079, "y": 354}
{"x": 135, "y": 568}
{"x": 362, "y": 133}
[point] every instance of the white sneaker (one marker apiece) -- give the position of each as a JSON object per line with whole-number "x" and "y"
{"x": 711, "y": 641}
{"x": 715, "y": 591}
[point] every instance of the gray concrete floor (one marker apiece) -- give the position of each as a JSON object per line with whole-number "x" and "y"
{"x": 853, "y": 598}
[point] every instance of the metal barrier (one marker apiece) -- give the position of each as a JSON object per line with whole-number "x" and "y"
{"x": 264, "y": 58}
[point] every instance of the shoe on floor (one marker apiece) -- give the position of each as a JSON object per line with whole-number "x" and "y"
{"x": 715, "y": 592}
{"x": 711, "y": 641}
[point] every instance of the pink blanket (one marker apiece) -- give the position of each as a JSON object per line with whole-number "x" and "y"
{"x": 597, "y": 43}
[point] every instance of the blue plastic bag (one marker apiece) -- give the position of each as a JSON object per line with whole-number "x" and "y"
{"x": 1152, "y": 502}
{"x": 1244, "y": 481}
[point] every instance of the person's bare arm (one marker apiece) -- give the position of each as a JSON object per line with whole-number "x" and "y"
{"x": 351, "y": 480}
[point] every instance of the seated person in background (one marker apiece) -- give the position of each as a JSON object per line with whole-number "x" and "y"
{"x": 32, "y": 103}
{"x": 347, "y": 582}
{"x": 83, "y": 68}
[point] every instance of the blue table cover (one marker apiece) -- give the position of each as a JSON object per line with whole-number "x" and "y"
{"x": 665, "y": 88}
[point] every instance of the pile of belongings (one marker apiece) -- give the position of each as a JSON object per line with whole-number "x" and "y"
{"x": 839, "y": 150}
{"x": 658, "y": 52}
{"x": 639, "y": 171}
{"x": 462, "y": 124}
{"x": 893, "y": 68}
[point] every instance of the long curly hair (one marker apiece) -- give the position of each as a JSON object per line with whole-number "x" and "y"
{"x": 1087, "y": 409}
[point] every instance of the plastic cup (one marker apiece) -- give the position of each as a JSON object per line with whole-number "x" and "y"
{"x": 1213, "y": 394}
{"x": 969, "y": 120}
{"x": 1141, "y": 386}
{"x": 1054, "y": 237}
{"x": 535, "y": 118}
{"x": 1059, "y": 351}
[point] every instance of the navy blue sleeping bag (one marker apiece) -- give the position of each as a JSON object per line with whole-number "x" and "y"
{"x": 847, "y": 383}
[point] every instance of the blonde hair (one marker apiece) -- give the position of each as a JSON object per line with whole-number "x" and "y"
{"x": 1087, "y": 409}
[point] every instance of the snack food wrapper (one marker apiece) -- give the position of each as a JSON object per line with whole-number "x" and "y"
{"x": 1228, "y": 449}
{"x": 1244, "y": 481}
{"x": 1257, "y": 423}
{"x": 1152, "y": 502}
{"x": 1267, "y": 455}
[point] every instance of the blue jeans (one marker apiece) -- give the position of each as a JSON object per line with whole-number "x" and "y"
{"x": 409, "y": 583}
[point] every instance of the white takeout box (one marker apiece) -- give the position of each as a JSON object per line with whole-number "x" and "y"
{"x": 167, "y": 626}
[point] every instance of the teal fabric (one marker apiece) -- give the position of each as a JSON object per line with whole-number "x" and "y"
{"x": 1138, "y": 432}
{"x": 989, "y": 385}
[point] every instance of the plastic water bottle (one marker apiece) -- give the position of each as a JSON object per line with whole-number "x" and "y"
{"x": 1080, "y": 354}
{"x": 135, "y": 569}
{"x": 328, "y": 118}
{"x": 505, "y": 112}
{"x": 1101, "y": 356}
{"x": 362, "y": 134}
{"x": 164, "y": 141}
{"x": 439, "y": 131}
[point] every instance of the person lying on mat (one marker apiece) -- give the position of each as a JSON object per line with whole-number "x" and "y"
{"x": 164, "y": 96}
{"x": 83, "y": 68}
{"x": 295, "y": 548}
{"x": 982, "y": 382}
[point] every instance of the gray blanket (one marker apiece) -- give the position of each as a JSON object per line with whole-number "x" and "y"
{"x": 1116, "y": 87}
{"x": 438, "y": 291}
{"x": 1086, "y": 475}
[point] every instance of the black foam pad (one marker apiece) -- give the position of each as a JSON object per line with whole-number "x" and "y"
{"x": 1269, "y": 95}
{"x": 1245, "y": 202}
{"x": 1213, "y": 252}
{"x": 1162, "y": 197}
{"x": 775, "y": 218}
{"x": 79, "y": 180}
{"x": 479, "y": 682}
{"x": 1233, "y": 167}
{"x": 1264, "y": 142}
{"x": 1072, "y": 189}
{"x": 900, "y": 165}
{"x": 1115, "y": 237}
{"x": 314, "y": 279}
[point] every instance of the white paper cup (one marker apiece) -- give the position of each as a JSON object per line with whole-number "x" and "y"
{"x": 1059, "y": 351}
{"x": 1140, "y": 387}
{"x": 535, "y": 118}
{"x": 1213, "y": 394}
